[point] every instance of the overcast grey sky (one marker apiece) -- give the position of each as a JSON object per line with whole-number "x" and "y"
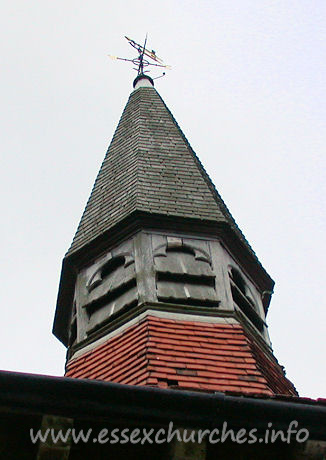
{"x": 248, "y": 89}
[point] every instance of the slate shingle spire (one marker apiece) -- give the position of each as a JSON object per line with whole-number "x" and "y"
{"x": 149, "y": 167}
{"x": 159, "y": 286}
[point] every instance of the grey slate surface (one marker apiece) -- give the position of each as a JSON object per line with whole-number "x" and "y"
{"x": 149, "y": 167}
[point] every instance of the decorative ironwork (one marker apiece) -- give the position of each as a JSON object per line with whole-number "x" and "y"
{"x": 140, "y": 61}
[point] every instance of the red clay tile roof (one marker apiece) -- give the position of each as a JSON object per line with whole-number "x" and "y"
{"x": 186, "y": 355}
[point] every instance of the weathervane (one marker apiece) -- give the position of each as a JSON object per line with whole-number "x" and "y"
{"x": 141, "y": 62}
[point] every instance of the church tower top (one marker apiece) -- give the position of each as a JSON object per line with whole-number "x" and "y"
{"x": 158, "y": 259}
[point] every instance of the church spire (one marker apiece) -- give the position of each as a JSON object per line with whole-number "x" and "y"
{"x": 150, "y": 168}
{"x": 159, "y": 268}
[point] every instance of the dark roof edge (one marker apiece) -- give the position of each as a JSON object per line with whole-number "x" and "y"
{"x": 95, "y": 400}
{"x": 156, "y": 221}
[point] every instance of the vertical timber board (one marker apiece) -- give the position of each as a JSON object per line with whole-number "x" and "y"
{"x": 145, "y": 272}
{"x": 220, "y": 268}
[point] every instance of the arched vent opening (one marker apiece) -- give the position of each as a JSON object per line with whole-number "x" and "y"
{"x": 238, "y": 280}
{"x": 184, "y": 276}
{"x": 243, "y": 299}
{"x": 111, "y": 288}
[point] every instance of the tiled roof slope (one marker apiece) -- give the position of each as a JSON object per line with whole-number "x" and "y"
{"x": 149, "y": 167}
{"x": 186, "y": 355}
